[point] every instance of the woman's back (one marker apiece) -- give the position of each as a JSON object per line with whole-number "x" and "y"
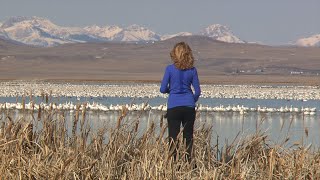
{"x": 179, "y": 89}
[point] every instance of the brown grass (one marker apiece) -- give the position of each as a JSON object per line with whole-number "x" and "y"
{"x": 43, "y": 148}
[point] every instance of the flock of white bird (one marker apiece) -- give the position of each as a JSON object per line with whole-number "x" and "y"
{"x": 70, "y": 106}
{"x": 38, "y": 89}
{"x": 20, "y": 88}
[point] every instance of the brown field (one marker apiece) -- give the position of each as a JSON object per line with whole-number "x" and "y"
{"x": 217, "y": 62}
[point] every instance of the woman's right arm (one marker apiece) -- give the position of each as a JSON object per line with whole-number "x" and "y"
{"x": 164, "y": 88}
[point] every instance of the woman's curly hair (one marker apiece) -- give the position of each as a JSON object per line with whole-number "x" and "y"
{"x": 182, "y": 56}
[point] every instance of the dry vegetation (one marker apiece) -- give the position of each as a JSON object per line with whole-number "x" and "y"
{"x": 43, "y": 148}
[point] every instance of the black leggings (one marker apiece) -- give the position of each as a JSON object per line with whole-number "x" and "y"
{"x": 176, "y": 116}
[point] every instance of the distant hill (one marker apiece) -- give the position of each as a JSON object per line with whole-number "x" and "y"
{"x": 7, "y": 43}
{"x": 147, "y": 60}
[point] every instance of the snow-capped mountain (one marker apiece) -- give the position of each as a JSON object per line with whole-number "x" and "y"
{"x": 3, "y": 34}
{"x": 116, "y": 33}
{"x": 164, "y": 37}
{"x": 221, "y": 33}
{"x": 312, "y": 41}
{"x": 32, "y": 30}
{"x": 136, "y": 33}
{"x": 42, "y": 32}
{"x": 107, "y": 32}
{"x": 215, "y": 31}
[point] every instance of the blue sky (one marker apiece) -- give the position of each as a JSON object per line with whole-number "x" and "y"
{"x": 272, "y": 22}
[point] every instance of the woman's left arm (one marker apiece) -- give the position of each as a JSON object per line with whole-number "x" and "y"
{"x": 164, "y": 88}
{"x": 196, "y": 85}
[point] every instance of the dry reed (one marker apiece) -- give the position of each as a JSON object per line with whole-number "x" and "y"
{"x": 43, "y": 149}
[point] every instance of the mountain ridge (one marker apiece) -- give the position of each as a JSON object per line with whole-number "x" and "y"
{"x": 38, "y": 31}
{"x": 42, "y": 32}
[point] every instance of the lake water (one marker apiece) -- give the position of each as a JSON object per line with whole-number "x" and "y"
{"x": 226, "y": 125}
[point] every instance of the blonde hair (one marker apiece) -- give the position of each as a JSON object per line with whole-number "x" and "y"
{"x": 182, "y": 56}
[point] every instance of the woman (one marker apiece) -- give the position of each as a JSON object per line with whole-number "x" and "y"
{"x": 177, "y": 81}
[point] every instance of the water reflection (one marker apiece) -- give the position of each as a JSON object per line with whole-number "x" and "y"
{"x": 226, "y": 126}
{"x": 279, "y": 126}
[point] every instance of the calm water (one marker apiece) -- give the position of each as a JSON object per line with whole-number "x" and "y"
{"x": 226, "y": 125}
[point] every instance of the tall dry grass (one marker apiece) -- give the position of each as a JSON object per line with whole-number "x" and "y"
{"x": 43, "y": 148}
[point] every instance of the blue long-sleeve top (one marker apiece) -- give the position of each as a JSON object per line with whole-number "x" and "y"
{"x": 178, "y": 83}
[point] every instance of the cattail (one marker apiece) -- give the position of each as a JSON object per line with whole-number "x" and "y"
{"x": 23, "y": 103}
{"x": 2, "y": 130}
{"x": 84, "y": 109}
{"x": 136, "y": 127}
{"x": 28, "y": 131}
{"x": 42, "y": 94}
{"x": 119, "y": 121}
{"x": 50, "y": 94}
{"x": 163, "y": 129}
{"x": 286, "y": 140}
{"x": 50, "y": 137}
{"x": 99, "y": 140}
{"x": 74, "y": 126}
{"x": 306, "y": 131}
{"x": 152, "y": 127}
{"x": 9, "y": 127}
{"x": 75, "y": 122}
{"x": 62, "y": 130}
{"x": 16, "y": 130}
{"x": 30, "y": 96}
{"x": 124, "y": 110}
{"x": 32, "y": 104}
{"x": 161, "y": 121}
{"x": 39, "y": 113}
{"x": 84, "y": 135}
{"x": 47, "y": 98}
{"x": 17, "y": 97}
